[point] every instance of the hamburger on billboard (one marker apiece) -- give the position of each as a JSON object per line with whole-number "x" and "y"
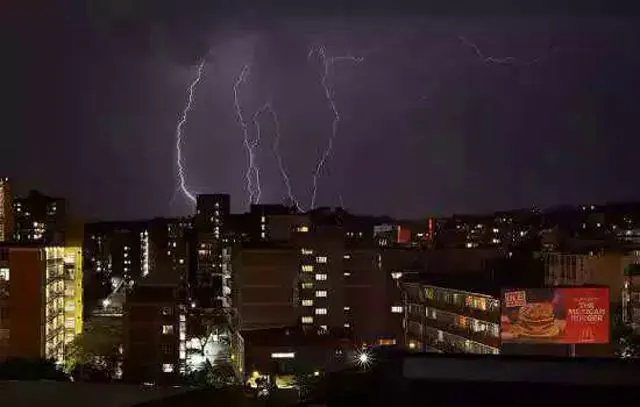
{"x": 563, "y": 315}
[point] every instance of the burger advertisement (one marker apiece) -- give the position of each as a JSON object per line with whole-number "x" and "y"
{"x": 570, "y": 315}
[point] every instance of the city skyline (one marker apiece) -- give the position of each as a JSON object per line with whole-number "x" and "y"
{"x": 470, "y": 115}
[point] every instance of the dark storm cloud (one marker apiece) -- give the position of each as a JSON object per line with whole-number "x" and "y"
{"x": 427, "y": 124}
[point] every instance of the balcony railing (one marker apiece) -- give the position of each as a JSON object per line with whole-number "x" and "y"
{"x": 482, "y": 337}
{"x": 490, "y": 315}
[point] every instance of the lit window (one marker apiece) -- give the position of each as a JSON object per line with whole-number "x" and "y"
{"x": 321, "y": 293}
{"x": 303, "y": 229}
{"x": 321, "y": 259}
{"x": 307, "y": 303}
{"x": 347, "y": 308}
{"x": 396, "y": 275}
{"x": 324, "y": 328}
{"x": 69, "y": 323}
{"x": 4, "y": 274}
{"x": 167, "y": 367}
{"x": 321, "y": 311}
{"x": 346, "y": 256}
{"x": 307, "y": 320}
{"x": 263, "y": 219}
{"x": 283, "y": 355}
{"x": 167, "y": 311}
{"x": 167, "y": 329}
{"x": 308, "y": 268}
{"x": 396, "y": 309}
{"x": 347, "y": 274}
{"x": 263, "y": 235}
{"x": 181, "y": 261}
{"x": 321, "y": 277}
{"x": 347, "y": 325}
{"x": 307, "y": 285}
{"x": 306, "y": 252}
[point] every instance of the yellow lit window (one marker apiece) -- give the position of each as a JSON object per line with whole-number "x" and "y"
{"x": 307, "y": 320}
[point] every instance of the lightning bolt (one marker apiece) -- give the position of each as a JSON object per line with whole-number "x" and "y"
{"x": 252, "y": 173}
{"x": 327, "y": 64}
{"x": 480, "y": 54}
{"x": 268, "y": 107}
{"x": 179, "y": 134}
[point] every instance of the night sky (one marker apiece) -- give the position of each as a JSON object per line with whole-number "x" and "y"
{"x": 446, "y": 113}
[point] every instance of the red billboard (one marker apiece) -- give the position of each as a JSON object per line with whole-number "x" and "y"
{"x": 564, "y": 315}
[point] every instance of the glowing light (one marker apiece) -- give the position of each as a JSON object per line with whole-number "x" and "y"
{"x": 283, "y": 355}
{"x": 363, "y": 359}
{"x": 327, "y": 63}
{"x": 276, "y": 148}
{"x": 252, "y": 173}
{"x": 179, "y": 133}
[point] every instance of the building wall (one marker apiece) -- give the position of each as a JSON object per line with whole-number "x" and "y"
{"x": 26, "y": 299}
{"x": 369, "y": 289}
{"x": 152, "y": 332}
{"x": 322, "y": 277}
{"x": 4, "y": 304}
{"x": 584, "y": 269}
{"x": 265, "y": 284}
{"x": 6, "y": 211}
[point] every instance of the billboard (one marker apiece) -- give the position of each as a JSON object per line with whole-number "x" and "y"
{"x": 563, "y": 315}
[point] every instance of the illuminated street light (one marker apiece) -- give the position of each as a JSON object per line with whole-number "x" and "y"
{"x": 363, "y": 359}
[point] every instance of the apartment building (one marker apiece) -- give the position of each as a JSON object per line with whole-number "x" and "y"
{"x": 40, "y": 300}
{"x": 606, "y": 269}
{"x": 441, "y": 318}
